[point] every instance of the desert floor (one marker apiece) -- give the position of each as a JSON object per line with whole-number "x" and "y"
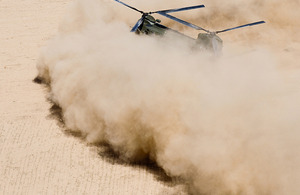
{"x": 36, "y": 155}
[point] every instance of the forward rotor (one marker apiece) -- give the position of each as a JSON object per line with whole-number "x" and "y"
{"x": 144, "y": 14}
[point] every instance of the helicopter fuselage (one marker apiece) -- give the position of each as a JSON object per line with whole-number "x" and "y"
{"x": 204, "y": 41}
{"x": 209, "y": 41}
{"x": 151, "y": 26}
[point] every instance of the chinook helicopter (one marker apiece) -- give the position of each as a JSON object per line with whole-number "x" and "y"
{"x": 208, "y": 41}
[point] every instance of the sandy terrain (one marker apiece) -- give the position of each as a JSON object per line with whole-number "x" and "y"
{"x": 228, "y": 126}
{"x": 36, "y": 156}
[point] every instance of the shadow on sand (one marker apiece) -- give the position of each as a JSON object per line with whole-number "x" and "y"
{"x": 105, "y": 151}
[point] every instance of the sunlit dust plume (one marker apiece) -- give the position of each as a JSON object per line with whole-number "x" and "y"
{"x": 226, "y": 125}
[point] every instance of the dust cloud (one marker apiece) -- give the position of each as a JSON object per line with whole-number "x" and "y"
{"x": 227, "y": 125}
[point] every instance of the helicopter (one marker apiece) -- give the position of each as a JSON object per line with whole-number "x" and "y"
{"x": 208, "y": 41}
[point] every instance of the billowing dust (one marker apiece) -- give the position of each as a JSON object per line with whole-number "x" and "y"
{"x": 226, "y": 125}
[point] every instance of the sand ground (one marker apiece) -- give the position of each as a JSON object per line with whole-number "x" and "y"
{"x": 36, "y": 156}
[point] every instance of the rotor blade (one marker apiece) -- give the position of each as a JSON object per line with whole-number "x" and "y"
{"x": 138, "y": 24}
{"x": 129, "y": 6}
{"x": 250, "y": 24}
{"x": 182, "y": 21}
{"x": 179, "y": 9}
